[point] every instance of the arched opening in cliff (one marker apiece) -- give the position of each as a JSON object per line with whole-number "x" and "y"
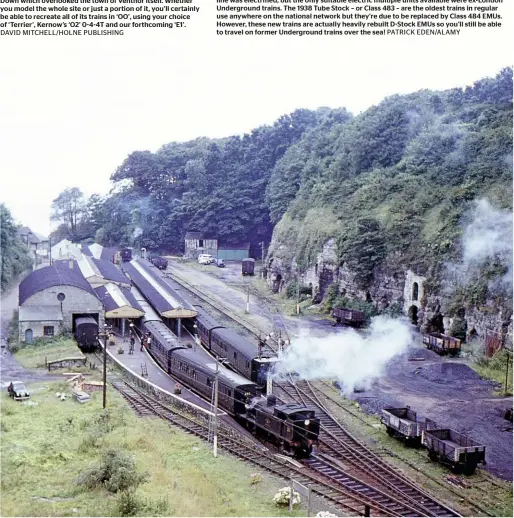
{"x": 277, "y": 283}
{"x": 415, "y": 291}
{"x": 436, "y": 324}
{"x": 413, "y": 315}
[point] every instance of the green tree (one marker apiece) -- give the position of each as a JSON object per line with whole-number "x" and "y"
{"x": 69, "y": 208}
{"x": 14, "y": 256}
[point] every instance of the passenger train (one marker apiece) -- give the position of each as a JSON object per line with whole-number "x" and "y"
{"x": 295, "y": 428}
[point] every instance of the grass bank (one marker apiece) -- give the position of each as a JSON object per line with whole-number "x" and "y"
{"x": 46, "y": 447}
{"x": 33, "y": 356}
{"x": 495, "y": 368}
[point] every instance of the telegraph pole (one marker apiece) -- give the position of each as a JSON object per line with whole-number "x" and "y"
{"x": 248, "y": 300}
{"x": 104, "y": 335}
{"x": 215, "y": 439}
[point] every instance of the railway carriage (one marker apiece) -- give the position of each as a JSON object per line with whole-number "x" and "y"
{"x": 86, "y": 333}
{"x": 294, "y": 427}
{"x": 242, "y": 355}
{"x": 442, "y": 344}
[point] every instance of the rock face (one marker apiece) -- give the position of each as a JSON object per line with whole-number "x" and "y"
{"x": 392, "y": 285}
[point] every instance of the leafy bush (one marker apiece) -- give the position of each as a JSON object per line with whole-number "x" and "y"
{"x": 292, "y": 291}
{"x": 283, "y": 496}
{"x": 116, "y": 472}
{"x": 255, "y": 478}
{"x": 129, "y": 504}
{"x": 331, "y": 295}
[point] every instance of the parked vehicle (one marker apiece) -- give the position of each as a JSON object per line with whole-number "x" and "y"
{"x": 206, "y": 259}
{"x": 348, "y": 317}
{"x": 159, "y": 262}
{"x": 18, "y": 390}
{"x": 220, "y": 263}
{"x": 442, "y": 344}
{"x": 403, "y": 423}
{"x": 457, "y": 450}
{"x": 248, "y": 266}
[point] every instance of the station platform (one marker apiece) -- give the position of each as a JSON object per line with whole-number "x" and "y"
{"x": 141, "y": 362}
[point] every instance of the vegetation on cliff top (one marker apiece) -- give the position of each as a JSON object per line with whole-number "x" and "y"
{"x": 14, "y": 256}
{"x": 390, "y": 185}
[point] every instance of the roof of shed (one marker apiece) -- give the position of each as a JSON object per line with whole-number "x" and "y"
{"x": 114, "y": 297}
{"x": 110, "y": 272}
{"x": 58, "y": 274}
{"x": 199, "y": 235}
{"x": 25, "y": 231}
{"x": 161, "y": 296}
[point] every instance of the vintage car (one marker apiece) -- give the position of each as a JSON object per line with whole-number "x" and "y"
{"x": 17, "y": 390}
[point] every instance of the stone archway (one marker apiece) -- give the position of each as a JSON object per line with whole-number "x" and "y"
{"x": 413, "y": 314}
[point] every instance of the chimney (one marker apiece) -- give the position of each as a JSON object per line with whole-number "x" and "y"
{"x": 272, "y": 400}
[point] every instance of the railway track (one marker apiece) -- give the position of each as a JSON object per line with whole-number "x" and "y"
{"x": 218, "y": 306}
{"x": 341, "y": 446}
{"x": 384, "y": 486}
{"x": 323, "y": 477}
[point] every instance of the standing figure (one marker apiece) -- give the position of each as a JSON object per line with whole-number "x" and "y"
{"x": 132, "y": 343}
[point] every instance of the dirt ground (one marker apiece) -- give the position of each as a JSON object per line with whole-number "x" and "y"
{"x": 10, "y": 369}
{"x": 443, "y": 389}
{"x": 453, "y": 395}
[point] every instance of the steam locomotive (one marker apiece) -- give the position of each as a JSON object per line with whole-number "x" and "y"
{"x": 293, "y": 427}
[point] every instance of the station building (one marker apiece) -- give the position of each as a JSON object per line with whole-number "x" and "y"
{"x": 52, "y": 298}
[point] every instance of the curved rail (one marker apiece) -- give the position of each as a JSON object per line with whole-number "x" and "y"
{"x": 341, "y": 444}
{"x": 331, "y": 484}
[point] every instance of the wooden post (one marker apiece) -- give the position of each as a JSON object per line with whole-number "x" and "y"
{"x": 507, "y": 373}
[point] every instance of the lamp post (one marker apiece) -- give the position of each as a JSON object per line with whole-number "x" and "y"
{"x": 195, "y": 327}
{"x": 103, "y": 335}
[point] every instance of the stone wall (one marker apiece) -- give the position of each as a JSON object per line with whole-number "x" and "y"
{"x": 38, "y": 328}
{"x": 77, "y": 301}
{"x": 393, "y": 284}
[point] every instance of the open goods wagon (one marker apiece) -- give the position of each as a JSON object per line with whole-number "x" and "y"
{"x": 403, "y": 423}
{"x": 442, "y": 344}
{"x": 457, "y": 450}
{"x": 348, "y": 317}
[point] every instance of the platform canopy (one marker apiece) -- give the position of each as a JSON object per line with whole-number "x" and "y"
{"x": 161, "y": 296}
{"x": 119, "y": 302}
{"x": 99, "y": 272}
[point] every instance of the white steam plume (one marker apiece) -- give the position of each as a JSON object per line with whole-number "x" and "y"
{"x": 487, "y": 236}
{"x": 353, "y": 359}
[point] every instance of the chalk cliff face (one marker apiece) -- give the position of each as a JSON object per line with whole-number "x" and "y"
{"x": 393, "y": 285}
